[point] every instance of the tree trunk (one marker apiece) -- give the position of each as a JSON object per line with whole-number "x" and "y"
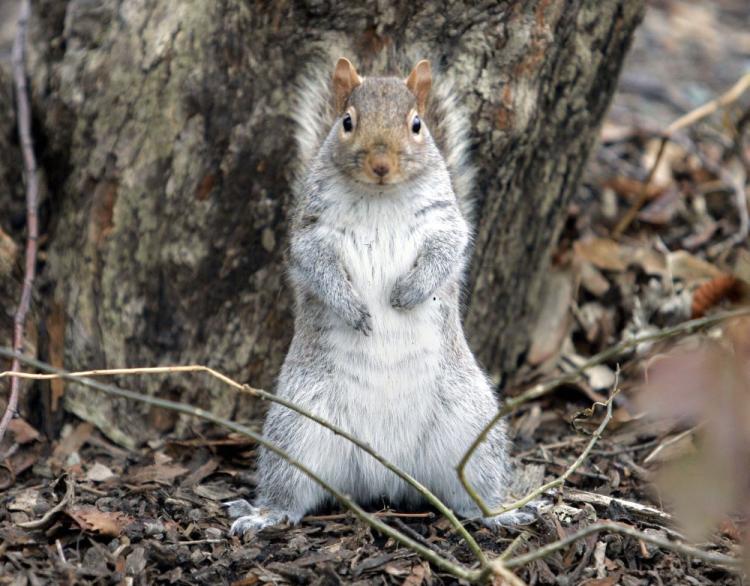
{"x": 168, "y": 150}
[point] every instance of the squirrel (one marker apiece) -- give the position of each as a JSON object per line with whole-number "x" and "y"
{"x": 379, "y": 241}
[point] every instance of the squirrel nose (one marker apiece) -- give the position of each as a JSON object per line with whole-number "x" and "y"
{"x": 379, "y": 164}
{"x": 380, "y": 169}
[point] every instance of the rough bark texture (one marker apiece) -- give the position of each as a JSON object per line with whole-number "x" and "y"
{"x": 12, "y": 207}
{"x": 12, "y": 239}
{"x": 169, "y": 153}
{"x": 11, "y": 214}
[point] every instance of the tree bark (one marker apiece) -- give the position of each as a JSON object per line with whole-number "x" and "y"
{"x": 168, "y": 151}
{"x": 11, "y": 213}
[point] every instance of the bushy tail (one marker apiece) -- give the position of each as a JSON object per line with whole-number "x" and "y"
{"x": 447, "y": 120}
{"x": 313, "y": 113}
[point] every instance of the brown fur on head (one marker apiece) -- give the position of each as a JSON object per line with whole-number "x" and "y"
{"x": 381, "y": 138}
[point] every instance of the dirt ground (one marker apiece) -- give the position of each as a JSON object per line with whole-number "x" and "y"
{"x": 154, "y": 516}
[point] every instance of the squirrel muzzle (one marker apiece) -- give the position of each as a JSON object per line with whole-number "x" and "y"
{"x": 381, "y": 165}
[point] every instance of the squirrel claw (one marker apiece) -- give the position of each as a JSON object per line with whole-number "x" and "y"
{"x": 364, "y": 323}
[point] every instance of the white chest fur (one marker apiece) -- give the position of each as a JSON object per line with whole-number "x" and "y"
{"x": 378, "y": 241}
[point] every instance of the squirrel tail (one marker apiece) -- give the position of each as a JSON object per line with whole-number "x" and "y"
{"x": 448, "y": 122}
{"x": 313, "y": 113}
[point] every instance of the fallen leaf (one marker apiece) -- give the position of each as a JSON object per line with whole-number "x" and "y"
{"x": 397, "y": 569}
{"x": 71, "y": 443}
{"x": 26, "y": 501}
{"x": 99, "y": 473}
{"x": 197, "y": 475}
{"x": 92, "y": 520}
{"x": 603, "y": 253}
{"x": 555, "y": 319}
{"x": 592, "y": 280}
{"x": 683, "y": 265}
{"x": 161, "y": 473}
{"x": 631, "y": 189}
{"x": 22, "y": 432}
{"x": 418, "y": 575}
{"x": 728, "y": 528}
{"x": 651, "y": 261}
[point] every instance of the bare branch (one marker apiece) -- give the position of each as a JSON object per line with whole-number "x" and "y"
{"x": 47, "y": 517}
{"x": 264, "y": 395}
{"x": 544, "y": 388}
{"x": 455, "y": 569}
{"x": 560, "y": 480}
{"x": 522, "y": 538}
{"x": 542, "y": 552}
{"x": 32, "y": 196}
{"x": 644, "y": 512}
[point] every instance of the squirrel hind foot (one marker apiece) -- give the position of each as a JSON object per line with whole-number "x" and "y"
{"x": 251, "y": 518}
{"x": 526, "y": 515}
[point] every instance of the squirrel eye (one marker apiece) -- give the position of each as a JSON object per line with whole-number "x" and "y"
{"x": 347, "y": 122}
{"x": 416, "y": 125}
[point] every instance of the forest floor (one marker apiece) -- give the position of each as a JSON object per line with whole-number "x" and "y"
{"x": 154, "y": 516}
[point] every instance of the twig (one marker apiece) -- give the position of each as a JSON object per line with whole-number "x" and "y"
{"x": 64, "y": 502}
{"x": 419, "y": 487}
{"x": 671, "y": 441}
{"x": 560, "y": 480}
{"x": 418, "y": 537}
{"x": 457, "y": 570}
{"x": 643, "y": 194}
{"x": 32, "y": 194}
{"x": 514, "y": 546}
{"x": 682, "y": 122}
{"x": 651, "y": 514}
{"x": 500, "y": 570}
{"x": 544, "y": 388}
{"x": 542, "y": 552}
{"x": 60, "y": 551}
{"x": 627, "y": 449}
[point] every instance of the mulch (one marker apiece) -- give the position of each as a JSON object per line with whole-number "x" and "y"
{"x": 81, "y": 510}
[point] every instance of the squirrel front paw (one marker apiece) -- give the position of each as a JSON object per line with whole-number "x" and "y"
{"x": 363, "y": 323}
{"x": 406, "y": 295}
{"x": 358, "y": 317}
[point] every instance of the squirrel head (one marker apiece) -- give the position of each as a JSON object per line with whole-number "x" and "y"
{"x": 380, "y": 136}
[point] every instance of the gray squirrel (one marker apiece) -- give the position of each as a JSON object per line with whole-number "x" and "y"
{"x": 380, "y": 239}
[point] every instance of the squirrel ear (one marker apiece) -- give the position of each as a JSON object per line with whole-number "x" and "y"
{"x": 419, "y": 83}
{"x": 345, "y": 79}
